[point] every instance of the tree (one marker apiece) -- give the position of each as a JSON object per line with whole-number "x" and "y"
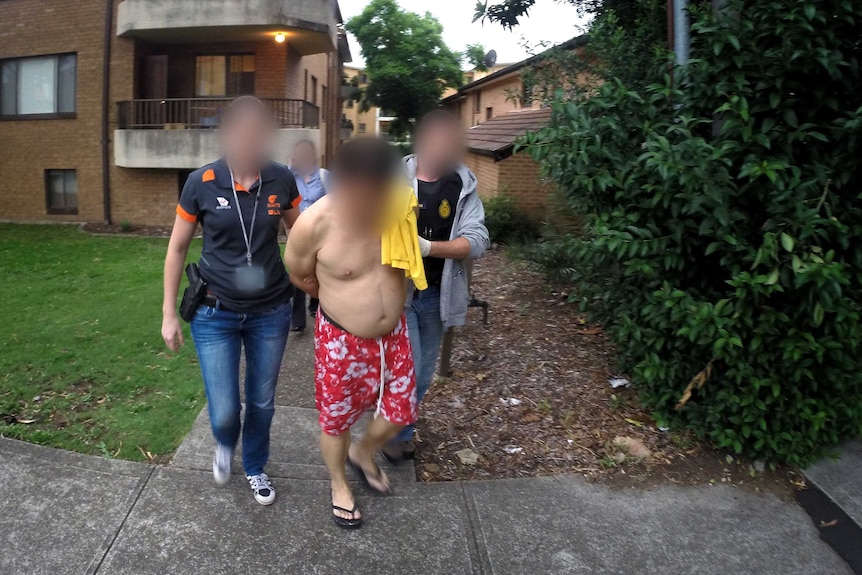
{"x": 474, "y": 55}
{"x": 722, "y": 236}
{"x": 407, "y": 62}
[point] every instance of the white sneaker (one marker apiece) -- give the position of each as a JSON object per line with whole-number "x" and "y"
{"x": 221, "y": 464}
{"x": 264, "y": 493}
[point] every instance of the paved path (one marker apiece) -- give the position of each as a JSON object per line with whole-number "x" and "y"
{"x": 69, "y": 513}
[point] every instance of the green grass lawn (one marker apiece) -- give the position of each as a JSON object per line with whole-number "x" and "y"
{"x": 82, "y": 362}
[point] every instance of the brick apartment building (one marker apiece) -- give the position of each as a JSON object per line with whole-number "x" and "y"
{"x": 495, "y": 110}
{"x": 371, "y": 122}
{"x": 105, "y": 106}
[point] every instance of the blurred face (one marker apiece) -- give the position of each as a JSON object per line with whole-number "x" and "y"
{"x": 440, "y": 146}
{"x": 304, "y": 158}
{"x": 365, "y": 197}
{"x": 247, "y": 138}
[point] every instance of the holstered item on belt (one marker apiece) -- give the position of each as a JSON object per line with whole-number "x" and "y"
{"x": 194, "y": 293}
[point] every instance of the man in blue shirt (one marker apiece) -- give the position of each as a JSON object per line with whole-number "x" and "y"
{"x": 311, "y": 180}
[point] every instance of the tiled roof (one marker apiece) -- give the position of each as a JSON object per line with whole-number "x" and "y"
{"x": 496, "y": 137}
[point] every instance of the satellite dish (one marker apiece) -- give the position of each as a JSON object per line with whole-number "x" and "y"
{"x": 490, "y": 59}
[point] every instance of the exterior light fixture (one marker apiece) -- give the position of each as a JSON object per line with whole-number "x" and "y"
{"x": 279, "y": 37}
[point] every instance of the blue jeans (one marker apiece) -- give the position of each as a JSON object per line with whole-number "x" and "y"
{"x": 425, "y": 329}
{"x": 218, "y": 336}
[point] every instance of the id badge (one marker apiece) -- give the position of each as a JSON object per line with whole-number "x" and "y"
{"x": 250, "y": 279}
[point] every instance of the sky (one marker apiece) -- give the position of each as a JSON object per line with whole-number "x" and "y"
{"x": 549, "y": 21}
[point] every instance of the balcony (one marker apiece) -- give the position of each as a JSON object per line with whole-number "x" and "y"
{"x": 180, "y": 133}
{"x": 310, "y": 25}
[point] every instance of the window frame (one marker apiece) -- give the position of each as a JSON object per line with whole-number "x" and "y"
{"x": 17, "y": 117}
{"x": 227, "y": 72}
{"x": 60, "y": 211}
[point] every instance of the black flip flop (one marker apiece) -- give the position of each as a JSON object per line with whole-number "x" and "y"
{"x": 363, "y": 475}
{"x": 343, "y": 522}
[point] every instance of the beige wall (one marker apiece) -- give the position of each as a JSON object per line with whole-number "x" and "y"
{"x": 369, "y": 117}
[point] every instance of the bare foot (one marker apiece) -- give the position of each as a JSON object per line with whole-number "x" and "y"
{"x": 369, "y": 471}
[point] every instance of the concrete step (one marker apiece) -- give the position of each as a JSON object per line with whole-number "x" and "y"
{"x": 834, "y": 501}
{"x": 294, "y": 450}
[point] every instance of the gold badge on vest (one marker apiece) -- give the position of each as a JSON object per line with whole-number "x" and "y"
{"x": 445, "y": 210}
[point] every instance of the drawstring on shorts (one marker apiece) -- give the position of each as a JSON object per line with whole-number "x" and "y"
{"x": 382, "y": 377}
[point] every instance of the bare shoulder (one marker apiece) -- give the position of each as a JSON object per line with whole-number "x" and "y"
{"x": 313, "y": 222}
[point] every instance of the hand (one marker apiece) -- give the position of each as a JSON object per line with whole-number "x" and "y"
{"x": 424, "y": 247}
{"x": 172, "y": 332}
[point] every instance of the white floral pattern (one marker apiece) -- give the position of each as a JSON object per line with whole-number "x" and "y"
{"x": 347, "y": 376}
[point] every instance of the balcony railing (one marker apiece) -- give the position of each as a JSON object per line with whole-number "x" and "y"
{"x": 205, "y": 113}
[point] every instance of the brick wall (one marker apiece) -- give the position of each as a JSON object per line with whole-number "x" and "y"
{"x": 29, "y": 147}
{"x": 487, "y": 174}
{"x": 520, "y": 177}
{"x": 141, "y": 196}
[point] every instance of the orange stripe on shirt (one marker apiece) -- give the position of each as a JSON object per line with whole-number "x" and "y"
{"x": 208, "y": 176}
{"x": 295, "y": 202}
{"x": 191, "y": 218}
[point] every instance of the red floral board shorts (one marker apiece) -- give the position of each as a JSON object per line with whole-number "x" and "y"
{"x": 353, "y": 374}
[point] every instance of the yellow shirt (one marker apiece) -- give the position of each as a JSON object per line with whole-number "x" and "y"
{"x": 399, "y": 245}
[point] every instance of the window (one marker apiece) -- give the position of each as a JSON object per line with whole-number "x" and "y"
{"x": 489, "y": 113}
{"x": 348, "y": 103}
{"x": 314, "y": 90}
{"x": 361, "y": 128}
{"x": 224, "y": 75}
{"x": 305, "y": 87}
{"x": 363, "y": 78}
{"x": 477, "y": 102}
{"x": 526, "y": 96}
{"x": 42, "y": 86}
{"x": 61, "y": 191}
{"x": 325, "y": 104}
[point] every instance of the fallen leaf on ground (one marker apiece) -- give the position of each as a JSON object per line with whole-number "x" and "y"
{"x": 592, "y": 331}
{"x": 467, "y": 456}
{"x": 531, "y": 417}
{"x": 832, "y": 523}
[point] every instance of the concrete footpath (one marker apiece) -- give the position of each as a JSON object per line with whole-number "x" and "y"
{"x": 69, "y": 513}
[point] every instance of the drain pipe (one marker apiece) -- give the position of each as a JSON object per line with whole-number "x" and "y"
{"x": 106, "y": 102}
{"x": 680, "y": 26}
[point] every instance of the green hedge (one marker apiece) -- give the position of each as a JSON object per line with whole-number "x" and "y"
{"x": 723, "y": 245}
{"x": 506, "y": 222}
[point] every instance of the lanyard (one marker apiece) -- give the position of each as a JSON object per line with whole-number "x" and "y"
{"x": 246, "y": 235}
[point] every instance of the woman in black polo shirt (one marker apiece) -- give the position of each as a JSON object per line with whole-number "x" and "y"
{"x": 240, "y": 201}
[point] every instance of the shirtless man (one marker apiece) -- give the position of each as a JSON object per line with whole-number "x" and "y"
{"x": 333, "y": 253}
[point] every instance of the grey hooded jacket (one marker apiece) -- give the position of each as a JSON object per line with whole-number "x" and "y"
{"x": 470, "y": 224}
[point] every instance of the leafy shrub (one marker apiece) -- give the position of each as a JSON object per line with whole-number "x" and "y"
{"x": 506, "y": 222}
{"x": 723, "y": 245}
{"x": 125, "y": 226}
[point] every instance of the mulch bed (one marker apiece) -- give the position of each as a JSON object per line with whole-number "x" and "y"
{"x": 530, "y": 395}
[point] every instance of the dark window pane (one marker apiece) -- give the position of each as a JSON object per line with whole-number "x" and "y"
{"x": 55, "y": 190}
{"x": 66, "y": 73}
{"x": 62, "y": 191}
{"x": 70, "y": 187}
{"x": 8, "y": 88}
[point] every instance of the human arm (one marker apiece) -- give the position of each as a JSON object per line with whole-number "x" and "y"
{"x": 178, "y": 247}
{"x": 289, "y": 217}
{"x": 300, "y": 254}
